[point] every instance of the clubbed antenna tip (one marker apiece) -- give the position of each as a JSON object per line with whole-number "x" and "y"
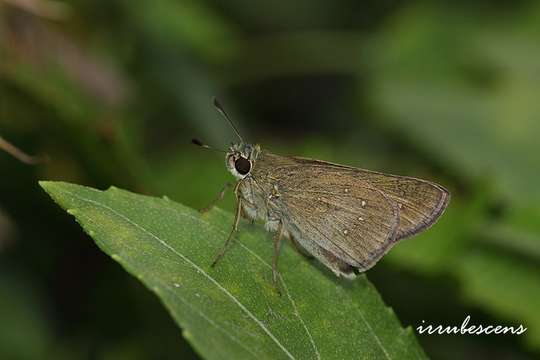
{"x": 220, "y": 109}
{"x": 197, "y": 142}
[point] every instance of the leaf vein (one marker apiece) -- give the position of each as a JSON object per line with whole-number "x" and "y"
{"x": 198, "y": 268}
{"x": 290, "y": 298}
{"x": 212, "y": 322}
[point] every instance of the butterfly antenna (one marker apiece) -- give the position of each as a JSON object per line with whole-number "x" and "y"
{"x": 220, "y": 109}
{"x": 204, "y": 146}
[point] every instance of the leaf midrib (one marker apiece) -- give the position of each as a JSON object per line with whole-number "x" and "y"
{"x": 220, "y": 287}
{"x": 191, "y": 263}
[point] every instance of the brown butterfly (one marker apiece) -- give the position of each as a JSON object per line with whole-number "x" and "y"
{"x": 346, "y": 217}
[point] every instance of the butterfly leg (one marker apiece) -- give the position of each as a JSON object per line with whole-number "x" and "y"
{"x": 220, "y": 196}
{"x": 278, "y": 236}
{"x": 252, "y": 197}
{"x": 233, "y": 230}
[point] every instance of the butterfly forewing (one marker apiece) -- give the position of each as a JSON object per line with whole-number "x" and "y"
{"x": 420, "y": 202}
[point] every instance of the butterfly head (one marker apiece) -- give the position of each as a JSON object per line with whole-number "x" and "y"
{"x": 240, "y": 159}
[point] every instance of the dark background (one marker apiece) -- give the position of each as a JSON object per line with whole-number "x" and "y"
{"x": 113, "y": 91}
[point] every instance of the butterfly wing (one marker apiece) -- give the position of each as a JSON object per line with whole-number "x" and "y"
{"x": 339, "y": 218}
{"x": 420, "y": 202}
{"x": 353, "y": 222}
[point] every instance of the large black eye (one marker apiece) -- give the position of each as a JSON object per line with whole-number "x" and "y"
{"x": 242, "y": 165}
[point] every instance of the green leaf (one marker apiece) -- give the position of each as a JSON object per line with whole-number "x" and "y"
{"x": 232, "y": 310}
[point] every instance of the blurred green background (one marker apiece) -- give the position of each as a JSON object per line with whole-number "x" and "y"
{"x": 113, "y": 91}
